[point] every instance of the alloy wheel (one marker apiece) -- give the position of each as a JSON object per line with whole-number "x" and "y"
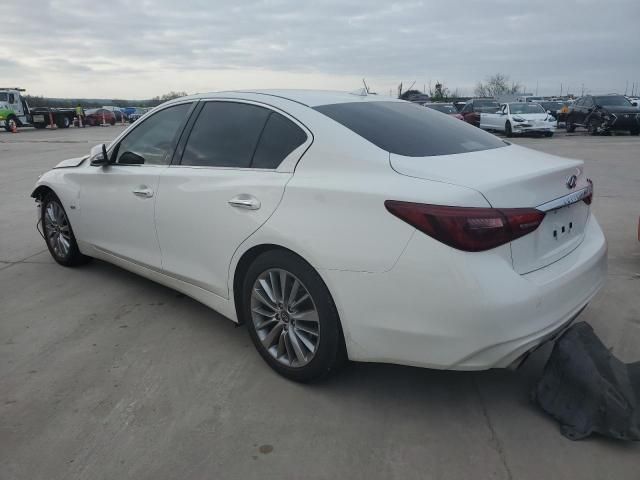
{"x": 57, "y": 229}
{"x": 285, "y": 317}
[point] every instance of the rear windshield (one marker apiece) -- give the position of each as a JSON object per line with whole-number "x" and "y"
{"x": 411, "y": 130}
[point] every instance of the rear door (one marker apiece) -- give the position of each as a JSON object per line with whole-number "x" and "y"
{"x": 228, "y": 177}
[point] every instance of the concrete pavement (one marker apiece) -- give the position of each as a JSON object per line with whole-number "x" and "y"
{"x": 105, "y": 375}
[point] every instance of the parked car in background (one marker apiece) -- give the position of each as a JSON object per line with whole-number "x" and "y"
{"x": 137, "y": 113}
{"x": 447, "y": 108}
{"x": 97, "y": 116}
{"x": 117, "y": 112}
{"x": 476, "y": 106}
{"x": 435, "y": 244}
{"x": 603, "y": 114}
{"x": 519, "y": 117}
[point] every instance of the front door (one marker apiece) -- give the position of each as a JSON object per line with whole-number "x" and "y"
{"x": 227, "y": 184}
{"x": 117, "y": 201}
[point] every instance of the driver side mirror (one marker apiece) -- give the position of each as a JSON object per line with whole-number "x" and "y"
{"x": 99, "y": 156}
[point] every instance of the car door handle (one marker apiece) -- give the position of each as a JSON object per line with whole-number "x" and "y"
{"x": 245, "y": 201}
{"x": 143, "y": 192}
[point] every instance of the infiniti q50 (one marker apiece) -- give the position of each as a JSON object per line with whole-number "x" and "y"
{"x": 338, "y": 226}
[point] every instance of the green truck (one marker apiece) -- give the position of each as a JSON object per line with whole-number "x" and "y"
{"x": 14, "y": 108}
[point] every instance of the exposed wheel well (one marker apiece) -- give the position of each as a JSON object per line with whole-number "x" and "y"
{"x": 40, "y": 192}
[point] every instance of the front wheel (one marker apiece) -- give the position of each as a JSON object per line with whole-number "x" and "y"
{"x": 58, "y": 233}
{"x": 508, "y": 130}
{"x": 7, "y": 123}
{"x": 291, "y": 317}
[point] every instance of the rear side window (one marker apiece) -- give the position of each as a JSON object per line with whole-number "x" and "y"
{"x": 411, "y": 130}
{"x": 279, "y": 138}
{"x": 225, "y": 135}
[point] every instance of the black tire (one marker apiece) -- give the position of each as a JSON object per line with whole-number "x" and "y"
{"x": 72, "y": 257}
{"x": 63, "y": 122}
{"x": 7, "y": 122}
{"x": 548, "y": 134}
{"x": 508, "y": 130}
{"x": 330, "y": 351}
{"x": 112, "y": 122}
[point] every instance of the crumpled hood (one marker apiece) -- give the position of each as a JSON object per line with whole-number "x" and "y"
{"x": 71, "y": 162}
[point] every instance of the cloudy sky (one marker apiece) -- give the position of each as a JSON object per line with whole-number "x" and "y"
{"x": 143, "y": 48}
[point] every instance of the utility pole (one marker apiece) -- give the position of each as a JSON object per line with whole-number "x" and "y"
{"x": 560, "y": 88}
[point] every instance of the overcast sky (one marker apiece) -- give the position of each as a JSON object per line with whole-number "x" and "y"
{"x": 140, "y": 49}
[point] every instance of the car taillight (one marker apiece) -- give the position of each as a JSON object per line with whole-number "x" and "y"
{"x": 468, "y": 228}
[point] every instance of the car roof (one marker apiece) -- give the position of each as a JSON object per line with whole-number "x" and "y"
{"x": 310, "y": 98}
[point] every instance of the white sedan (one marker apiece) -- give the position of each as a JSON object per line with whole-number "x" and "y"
{"x": 338, "y": 226}
{"x": 519, "y": 117}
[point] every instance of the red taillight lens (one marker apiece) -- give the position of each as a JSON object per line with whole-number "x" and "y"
{"x": 468, "y": 228}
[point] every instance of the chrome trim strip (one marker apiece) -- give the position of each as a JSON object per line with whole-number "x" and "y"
{"x": 573, "y": 197}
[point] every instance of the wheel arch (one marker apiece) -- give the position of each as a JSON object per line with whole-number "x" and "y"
{"x": 41, "y": 191}
{"x": 242, "y": 267}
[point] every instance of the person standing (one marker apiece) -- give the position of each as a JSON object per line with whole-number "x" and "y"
{"x": 80, "y": 115}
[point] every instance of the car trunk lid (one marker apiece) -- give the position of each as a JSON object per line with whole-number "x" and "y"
{"x": 517, "y": 177}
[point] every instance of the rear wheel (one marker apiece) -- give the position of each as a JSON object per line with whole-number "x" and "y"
{"x": 291, "y": 317}
{"x": 7, "y": 122}
{"x": 508, "y": 130}
{"x": 58, "y": 233}
{"x": 63, "y": 122}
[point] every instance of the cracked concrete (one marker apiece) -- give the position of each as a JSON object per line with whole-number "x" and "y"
{"x": 104, "y": 375}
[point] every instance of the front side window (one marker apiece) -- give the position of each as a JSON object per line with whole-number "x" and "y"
{"x": 406, "y": 129}
{"x": 12, "y": 98}
{"x": 152, "y": 141}
{"x": 3, "y": 96}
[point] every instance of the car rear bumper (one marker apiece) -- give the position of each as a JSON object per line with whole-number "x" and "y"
{"x": 442, "y": 308}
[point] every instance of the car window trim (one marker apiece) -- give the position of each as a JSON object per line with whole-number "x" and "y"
{"x": 114, "y": 147}
{"x": 178, "y": 155}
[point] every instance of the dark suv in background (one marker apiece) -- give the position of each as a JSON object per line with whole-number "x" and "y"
{"x": 603, "y": 113}
{"x": 474, "y": 107}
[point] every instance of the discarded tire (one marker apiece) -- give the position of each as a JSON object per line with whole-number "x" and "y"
{"x": 588, "y": 390}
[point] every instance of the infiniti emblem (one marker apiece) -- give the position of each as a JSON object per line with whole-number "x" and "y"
{"x": 571, "y": 182}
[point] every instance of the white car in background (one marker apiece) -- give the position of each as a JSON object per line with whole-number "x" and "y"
{"x": 338, "y": 226}
{"x": 519, "y": 117}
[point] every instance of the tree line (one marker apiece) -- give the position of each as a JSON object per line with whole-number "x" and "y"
{"x": 494, "y": 85}
{"x": 40, "y": 101}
